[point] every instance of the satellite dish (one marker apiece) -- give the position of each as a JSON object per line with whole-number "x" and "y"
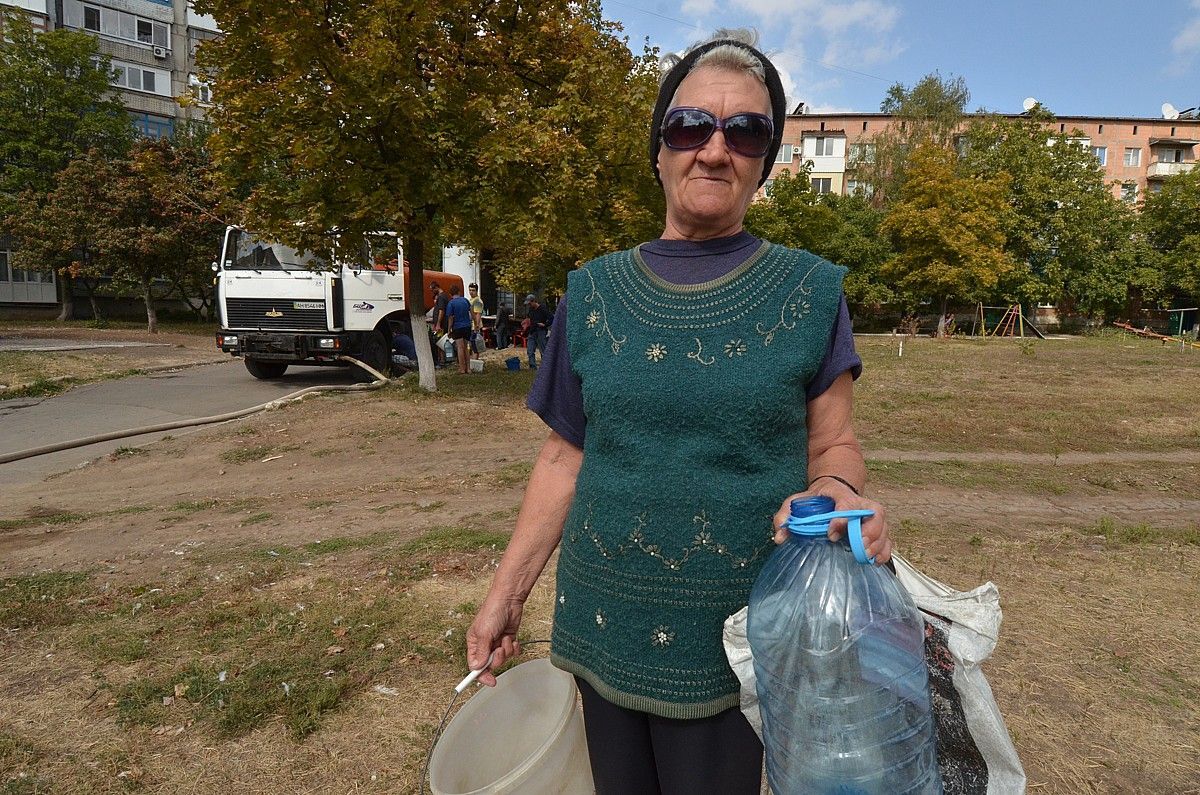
{"x": 1029, "y": 104}
{"x": 1169, "y": 112}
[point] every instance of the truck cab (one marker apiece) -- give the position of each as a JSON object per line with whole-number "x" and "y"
{"x": 280, "y": 307}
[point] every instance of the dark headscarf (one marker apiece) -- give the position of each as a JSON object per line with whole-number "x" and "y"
{"x": 680, "y": 70}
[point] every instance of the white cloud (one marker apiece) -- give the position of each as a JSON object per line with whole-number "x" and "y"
{"x": 1186, "y": 44}
{"x": 1187, "y": 41}
{"x": 852, "y": 34}
{"x": 698, "y": 8}
{"x": 873, "y": 15}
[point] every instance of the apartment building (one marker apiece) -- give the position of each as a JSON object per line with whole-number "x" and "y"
{"x": 152, "y": 44}
{"x": 1137, "y": 153}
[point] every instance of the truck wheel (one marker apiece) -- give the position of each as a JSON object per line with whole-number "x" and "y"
{"x": 265, "y": 370}
{"x": 376, "y": 353}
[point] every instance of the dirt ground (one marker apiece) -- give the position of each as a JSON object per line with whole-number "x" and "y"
{"x": 1096, "y": 671}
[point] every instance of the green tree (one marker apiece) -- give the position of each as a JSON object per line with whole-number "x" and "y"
{"x": 1172, "y": 223}
{"x": 63, "y": 228}
{"x": 159, "y": 222}
{"x": 179, "y": 177}
{"x": 791, "y": 214}
{"x": 1072, "y": 239}
{"x": 593, "y": 191}
{"x": 55, "y": 105}
{"x": 948, "y": 231}
{"x": 407, "y": 115}
{"x": 843, "y": 229}
{"x": 857, "y": 241}
{"x": 930, "y": 114}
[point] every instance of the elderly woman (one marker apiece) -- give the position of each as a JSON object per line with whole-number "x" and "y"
{"x": 698, "y": 384}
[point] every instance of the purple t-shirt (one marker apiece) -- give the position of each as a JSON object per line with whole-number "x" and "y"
{"x": 557, "y": 394}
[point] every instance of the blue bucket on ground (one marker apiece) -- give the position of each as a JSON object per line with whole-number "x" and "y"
{"x": 513, "y": 363}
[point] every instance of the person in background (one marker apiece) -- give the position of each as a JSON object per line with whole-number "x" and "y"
{"x": 503, "y": 319}
{"x": 458, "y": 320}
{"x": 694, "y": 386}
{"x": 405, "y": 352}
{"x": 539, "y": 327}
{"x": 437, "y": 322}
{"x": 476, "y": 319}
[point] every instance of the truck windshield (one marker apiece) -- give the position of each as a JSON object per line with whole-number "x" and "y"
{"x": 244, "y": 251}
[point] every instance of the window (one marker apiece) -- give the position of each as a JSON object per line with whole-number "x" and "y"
{"x": 1156, "y": 187}
{"x": 858, "y": 187}
{"x": 1129, "y": 192}
{"x": 1101, "y": 129}
{"x": 20, "y": 276}
{"x": 122, "y": 25}
{"x": 127, "y": 75}
{"x": 1133, "y": 156}
{"x": 784, "y": 156}
{"x": 861, "y": 154}
{"x": 864, "y": 126}
{"x": 150, "y": 126}
{"x": 822, "y": 184}
{"x": 1101, "y": 154}
{"x": 824, "y": 147}
{"x": 1170, "y": 155}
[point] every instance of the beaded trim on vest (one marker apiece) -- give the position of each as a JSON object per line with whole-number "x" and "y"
{"x": 696, "y": 432}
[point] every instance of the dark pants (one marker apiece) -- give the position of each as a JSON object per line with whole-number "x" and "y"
{"x": 535, "y": 343}
{"x": 501, "y": 335}
{"x": 636, "y": 753}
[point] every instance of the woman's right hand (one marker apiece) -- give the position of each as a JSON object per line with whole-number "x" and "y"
{"x": 494, "y": 628}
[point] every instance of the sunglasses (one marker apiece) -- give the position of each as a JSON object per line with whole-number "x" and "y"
{"x": 748, "y": 134}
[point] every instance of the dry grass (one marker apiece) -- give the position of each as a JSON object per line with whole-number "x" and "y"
{"x": 1098, "y": 394}
{"x": 151, "y": 571}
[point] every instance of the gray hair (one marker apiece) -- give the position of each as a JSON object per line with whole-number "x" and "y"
{"x": 727, "y": 56}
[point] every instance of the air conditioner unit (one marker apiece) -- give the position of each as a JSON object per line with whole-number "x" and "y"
{"x": 160, "y": 52}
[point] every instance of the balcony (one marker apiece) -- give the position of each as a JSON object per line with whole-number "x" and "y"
{"x": 1164, "y": 170}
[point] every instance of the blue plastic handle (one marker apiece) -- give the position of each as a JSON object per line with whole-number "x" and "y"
{"x": 819, "y": 525}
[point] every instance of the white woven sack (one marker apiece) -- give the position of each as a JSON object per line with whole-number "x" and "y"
{"x": 971, "y": 624}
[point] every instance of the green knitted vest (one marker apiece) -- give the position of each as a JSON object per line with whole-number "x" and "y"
{"x": 696, "y": 432}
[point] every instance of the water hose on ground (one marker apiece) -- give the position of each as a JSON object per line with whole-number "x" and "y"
{"x": 20, "y": 455}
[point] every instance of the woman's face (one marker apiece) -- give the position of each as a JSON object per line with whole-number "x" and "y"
{"x": 709, "y": 188}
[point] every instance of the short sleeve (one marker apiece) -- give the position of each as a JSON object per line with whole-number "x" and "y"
{"x": 557, "y": 393}
{"x": 840, "y": 356}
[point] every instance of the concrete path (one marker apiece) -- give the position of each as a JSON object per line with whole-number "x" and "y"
{"x": 131, "y": 403}
{"x": 36, "y": 344}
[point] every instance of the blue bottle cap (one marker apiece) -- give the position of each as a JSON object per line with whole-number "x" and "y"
{"x": 811, "y": 506}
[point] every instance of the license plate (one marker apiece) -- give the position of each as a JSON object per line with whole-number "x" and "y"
{"x": 307, "y": 305}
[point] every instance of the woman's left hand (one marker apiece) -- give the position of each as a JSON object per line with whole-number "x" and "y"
{"x": 875, "y": 533}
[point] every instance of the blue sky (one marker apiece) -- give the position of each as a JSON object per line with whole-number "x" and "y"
{"x": 1078, "y": 57}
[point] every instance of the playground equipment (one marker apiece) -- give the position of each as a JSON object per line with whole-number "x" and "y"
{"x": 1153, "y": 335}
{"x": 1011, "y": 324}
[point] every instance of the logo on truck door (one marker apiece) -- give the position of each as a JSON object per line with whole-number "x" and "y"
{"x": 273, "y": 313}
{"x": 363, "y": 306}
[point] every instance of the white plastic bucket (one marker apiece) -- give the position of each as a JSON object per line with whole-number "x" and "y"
{"x": 525, "y": 735}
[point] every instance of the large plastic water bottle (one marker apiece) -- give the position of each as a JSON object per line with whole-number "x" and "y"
{"x": 839, "y": 657}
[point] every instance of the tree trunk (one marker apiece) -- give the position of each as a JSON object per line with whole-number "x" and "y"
{"x": 66, "y": 286}
{"x": 414, "y": 248}
{"x": 91, "y": 285}
{"x": 151, "y": 317}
